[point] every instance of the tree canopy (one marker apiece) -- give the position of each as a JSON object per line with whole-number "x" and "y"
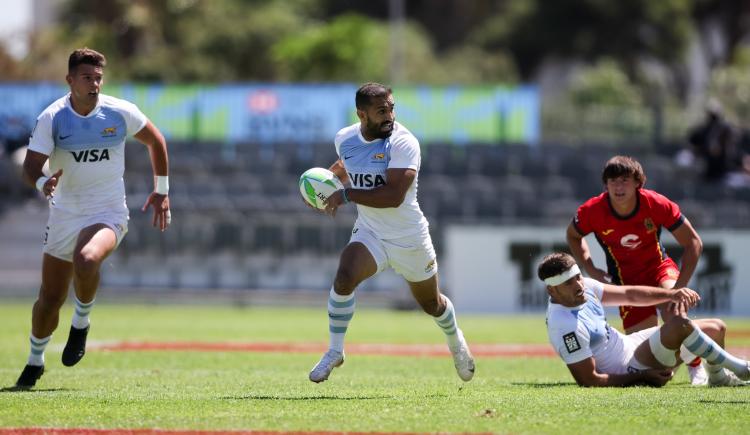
{"x": 438, "y": 42}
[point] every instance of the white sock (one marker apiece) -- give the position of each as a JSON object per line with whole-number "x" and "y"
{"x": 447, "y": 322}
{"x": 340, "y": 313}
{"x": 81, "y": 314}
{"x": 704, "y": 346}
{"x": 36, "y": 355}
{"x": 686, "y": 356}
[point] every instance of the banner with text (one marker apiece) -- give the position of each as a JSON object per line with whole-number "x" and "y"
{"x": 274, "y": 113}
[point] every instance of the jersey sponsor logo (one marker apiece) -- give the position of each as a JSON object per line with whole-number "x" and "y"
{"x": 607, "y": 232}
{"x": 61, "y": 137}
{"x": 90, "y": 155}
{"x": 354, "y": 231}
{"x": 649, "y": 224}
{"x": 109, "y": 132}
{"x": 571, "y": 342}
{"x": 367, "y": 180}
{"x": 630, "y": 241}
{"x": 347, "y": 157}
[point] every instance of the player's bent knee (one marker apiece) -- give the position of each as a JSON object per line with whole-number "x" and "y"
{"x": 51, "y": 302}
{"x": 712, "y": 327}
{"x": 679, "y": 325}
{"x": 85, "y": 265}
{"x": 719, "y": 325}
{"x": 666, "y": 357}
{"x": 344, "y": 283}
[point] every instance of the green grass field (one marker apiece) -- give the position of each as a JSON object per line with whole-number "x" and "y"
{"x": 370, "y": 393}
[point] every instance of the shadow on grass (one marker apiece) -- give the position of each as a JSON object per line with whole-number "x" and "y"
{"x": 318, "y": 397}
{"x": 544, "y": 384}
{"x": 724, "y": 402}
{"x": 29, "y": 390}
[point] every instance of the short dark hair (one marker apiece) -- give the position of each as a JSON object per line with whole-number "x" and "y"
{"x": 623, "y": 166}
{"x": 554, "y": 264}
{"x": 368, "y": 91}
{"x": 85, "y": 56}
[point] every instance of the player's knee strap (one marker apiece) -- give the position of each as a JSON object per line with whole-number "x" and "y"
{"x": 665, "y": 356}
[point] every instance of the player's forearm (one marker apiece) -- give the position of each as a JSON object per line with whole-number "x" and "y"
{"x": 380, "y": 197}
{"x": 32, "y": 167}
{"x": 159, "y": 159}
{"x": 338, "y": 169}
{"x": 612, "y": 380}
{"x": 688, "y": 263}
{"x": 644, "y": 296}
{"x": 580, "y": 250}
{"x": 30, "y": 176}
{"x": 157, "y": 148}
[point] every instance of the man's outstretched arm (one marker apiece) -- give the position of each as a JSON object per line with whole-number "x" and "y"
{"x": 644, "y": 296}
{"x": 586, "y": 375}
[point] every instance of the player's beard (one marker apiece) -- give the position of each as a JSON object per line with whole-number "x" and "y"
{"x": 377, "y": 131}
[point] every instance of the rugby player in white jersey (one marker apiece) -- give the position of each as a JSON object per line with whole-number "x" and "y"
{"x": 83, "y": 136}
{"x": 598, "y": 355}
{"x": 379, "y": 159}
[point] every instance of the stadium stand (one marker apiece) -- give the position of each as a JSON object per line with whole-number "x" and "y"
{"x": 237, "y": 206}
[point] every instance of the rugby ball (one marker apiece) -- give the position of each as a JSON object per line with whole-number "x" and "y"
{"x": 317, "y": 184}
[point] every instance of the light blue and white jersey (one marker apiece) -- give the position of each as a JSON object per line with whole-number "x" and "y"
{"x": 90, "y": 150}
{"x": 366, "y": 163}
{"x": 581, "y": 332}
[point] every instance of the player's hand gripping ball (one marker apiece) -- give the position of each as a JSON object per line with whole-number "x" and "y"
{"x": 317, "y": 184}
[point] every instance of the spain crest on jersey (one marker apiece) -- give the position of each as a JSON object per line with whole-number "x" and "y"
{"x": 649, "y": 224}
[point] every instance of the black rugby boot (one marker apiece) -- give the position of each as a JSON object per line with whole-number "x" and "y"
{"x": 75, "y": 348}
{"x": 29, "y": 376}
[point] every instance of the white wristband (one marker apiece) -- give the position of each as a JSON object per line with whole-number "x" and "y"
{"x": 40, "y": 183}
{"x": 162, "y": 185}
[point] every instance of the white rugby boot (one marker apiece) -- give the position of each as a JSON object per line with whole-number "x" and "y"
{"x": 698, "y": 375}
{"x": 325, "y": 366}
{"x": 729, "y": 379}
{"x": 462, "y": 358}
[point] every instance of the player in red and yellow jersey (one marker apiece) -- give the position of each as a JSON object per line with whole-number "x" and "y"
{"x": 627, "y": 221}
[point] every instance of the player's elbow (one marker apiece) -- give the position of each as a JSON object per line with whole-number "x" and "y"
{"x": 573, "y": 237}
{"x": 588, "y": 383}
{"x": 398, "y": 201}
{"x": 395, "y": 199}
{"x": 697, "y": 245}
{"x": 590, "y": 380}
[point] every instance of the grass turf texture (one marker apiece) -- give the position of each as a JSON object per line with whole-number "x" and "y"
{"x": 270, "y": 391}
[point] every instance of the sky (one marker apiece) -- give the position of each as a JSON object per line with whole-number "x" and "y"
{"x": 15, "y": 22}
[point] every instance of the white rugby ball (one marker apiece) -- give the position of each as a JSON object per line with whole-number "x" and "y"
{"x": 317, "y": 184}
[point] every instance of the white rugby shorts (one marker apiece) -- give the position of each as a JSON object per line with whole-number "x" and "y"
{"x": 635, "y": 340}
{"x": 412, "y": 257}
{"x": 63, "y": 228}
